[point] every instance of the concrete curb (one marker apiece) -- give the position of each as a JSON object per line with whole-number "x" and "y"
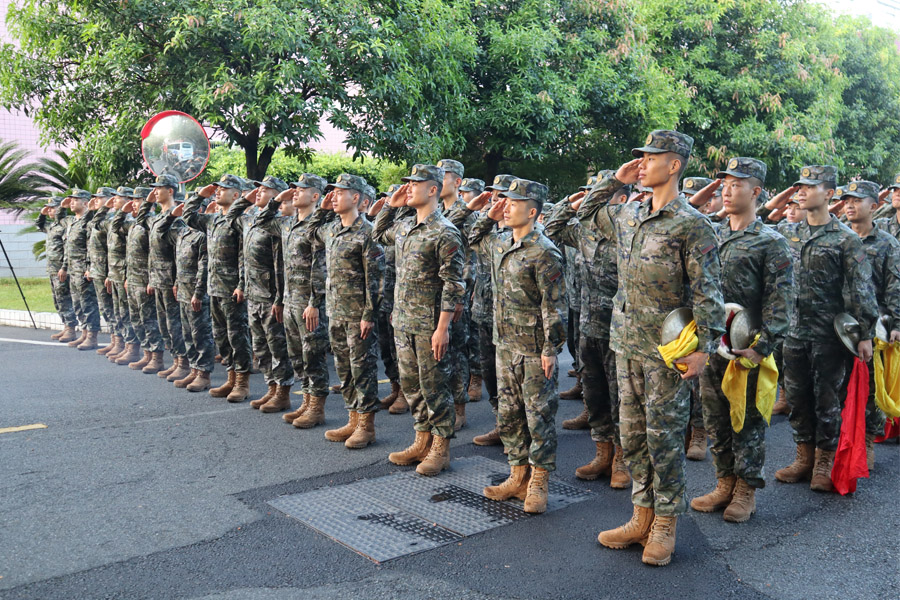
{"x": 44, "y": 320}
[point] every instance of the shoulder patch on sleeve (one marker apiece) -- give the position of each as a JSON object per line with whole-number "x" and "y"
{"x": 554, "y": 274}
{"x": 707, "y": 249}
{"x": 782, "y": 265}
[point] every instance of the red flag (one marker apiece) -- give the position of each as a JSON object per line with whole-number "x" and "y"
{"x": 891, "y": 430}
{"x": 850, "y": 460}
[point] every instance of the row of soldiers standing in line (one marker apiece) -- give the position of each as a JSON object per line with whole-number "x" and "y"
{"x": 639, "y": 260}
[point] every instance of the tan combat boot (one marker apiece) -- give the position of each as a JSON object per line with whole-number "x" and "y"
{"x": 781, "y": 407}
{"x": 575, "y": 393}
{"x": 223, "y": 390}
{"x": 579, "y": 422}
{"x": 416, "y": 452}
{"x": 821, "y": 478}
{"x": 717, "y": 499}
{"x": 536, "y": 498}
{"x": 290, "y": 417}
{"x": 186, "y": 381}
{"x": 89, "y": 343}
{"x": 870, "y": 451}
{"x": 661, "y": 544}
{"x": 77, "y": 341}
{"x": 132, "y": 353}
{"x": 140, "y": 364}
{"x": 620, "y": 478}
{"x": 113, "y": 342}
{"x": 335, "y": 389}
{"x": 58, "y": 334}
{"x": 438, "y": 457}
{"x": 388, "y": 400}
{"x": 164, "y": 373}
{"x": 182, "y": 369}
{"x": 743, "y": 503}
{"x": 475, "y": 388}
{"x": 273, "y": 387}
{"x": 491, "y": 438}
{"x": 460, "y": 416}
{"x": 313, "y": 415}
{"x": 68, "y": 335}
{"x": 634, "y": 531}
{"x": 400, "y": 405}
{"x": 155, "y": 364}
{"x": 342, "y": 434}
{"x": 515, "y": 486}
{"x": 117, "y": 349}
{"x": 201, "y": 382}
{"x": 697, "y": 448}
{"x": 364, "y": 434}
{"x": 279, "y": 402}
{"x": 600, "y": 465}
{"x": 801, "y": 468}
{"x": 241, "y": 388}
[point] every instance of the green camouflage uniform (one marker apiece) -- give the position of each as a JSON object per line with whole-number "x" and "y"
{"x": 163, "y": 236}
{"x": 429, "y": 266}
{"x": 225, "y": 265}
{"x": 55, "y": 251}
{"x": 473, "y": 346}
{"x": 116, "y": 255}
{"x": 97, "y": 251}
{"x": 816, "y": 365}
{"x": 78, "y": 263}
{"x": 387, "y": 345}
{"x": 667, "y": 259}
{"x": 758, "y": 274}
{"x": 890, "y": 222}
{"x": 530, "y": 311}
{"x": 141, "y": 305}
{"x": 354, "y": 267}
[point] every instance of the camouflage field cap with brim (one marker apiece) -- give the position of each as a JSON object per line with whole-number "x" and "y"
{"x": 525, "y": 189}
{"x": 390, "y": 191}
{"x": 501, "y": 183}
{"x": 470, "y": 184}
{"x": 104, "y": 192}
{"x": 743, "y": 167}
{"x": 425, "y": 173}
{"x": 895, "y": 182}
{"x": 692, "y": 185}
{"x": 816, "y": 174}
{"x": 346, "y": 181}
{"x": 665, "y": 140}
{"x": 166, "y": 180}
{"x": 452, "y": 166}
{"x": 308, "y": 180}
{"x": 273, "y": 183}
{"x": 80, "y": 194}
{"x": 230, "y": 182}
{"x": 862, "y": 189}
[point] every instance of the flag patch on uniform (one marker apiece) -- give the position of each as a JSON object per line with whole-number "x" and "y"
{"x": 554, "y": 275}
{"x": 452, "y": 249}
{"x": 782, "y": 265}
{"x": 707, "y": 249}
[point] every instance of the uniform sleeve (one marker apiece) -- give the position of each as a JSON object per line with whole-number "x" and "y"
{"x": 462, "y": 218}
{"x": 277, "y": 262}
{"x": 704, "y": 271}
{"x": 317, "y": 276}
{"x": 858, "y": 274}
{"x": 777, "y": 294}
{"x": 202, "y": 271}
{"x": 558, "y": 228}
{"x": 317, "y": 220}
{"x": 41, "y": 223}
{"x": 554, "y": 307}
{"x": 191, "y": 213}
{"x": 373, "y": 269}
{"x": 384, "y": 231}
{"x": 595, "y": 211}
{"x": 452, "y": 260}
{"x": 482, "y": 235}
{"x": 118, "y": 223}
{"x": 892, "y": 287}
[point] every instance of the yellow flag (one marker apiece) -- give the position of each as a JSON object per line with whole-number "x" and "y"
{"x": 887, "y": 377}
{"x": 684, "y": 344}
{"x": 734, "y": 385}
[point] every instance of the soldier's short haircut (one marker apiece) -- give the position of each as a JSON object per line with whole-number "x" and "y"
{"x": 439, "y": 184}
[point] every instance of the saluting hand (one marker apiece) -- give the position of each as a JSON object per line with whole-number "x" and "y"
{"x": 45, "y": 211}
{"x": 398, "y": 198}
{"x": 496, "y": 210}
{"x": 178, "y": 210}
{"x": 705, "y": 193}
{"x": 285, "y": 196}
{"x": 328, "y": 201}
{"x": 110, "y": 202}
{"x": 207, "y": 191}
{"x": 479, "y": 202}
{"x": 781, "y": 198}
{"x": 376, "y": 208}
{"x": 628, "y": 173}
{"x": 577, "y": 197}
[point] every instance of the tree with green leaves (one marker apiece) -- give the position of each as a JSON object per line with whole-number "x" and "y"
{"x": 20, "y": 180}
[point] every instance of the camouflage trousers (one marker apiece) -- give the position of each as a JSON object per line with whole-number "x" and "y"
{"x": 356, "y": 363}
{"x": 269, "y": 344}
{"x": 142, "y": 308}
{"x": 306, "y": 350}
{"x": 196, "y": 330}
{"x": 231, "y": 332}
{"x": 62, "y": 300}
{"x": 742, "y": 454}
{"x": 875, "y": 417}
{"x": 459, "y": 359}
{"x": 85, "y": 297}
{"x": 573, "y": 337}
{"x": 601, "y": 394}
{"x": 122, "y": 314}
{"x": 473, "y": 349}
{"x": 387, "y": 346}
{"x": 487, "y": 353}
{"x": 105, "y": 304}
{"x": 697, "y": 408}
{"x": 815, "y": 383}
{"x": 168, "y": 313}
{"x": 654, "y": 412}
{"x": 526, "y": 411}
{"x": 426, "y": 384}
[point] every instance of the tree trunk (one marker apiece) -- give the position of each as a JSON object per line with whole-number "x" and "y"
{"x": 492, "y": 165}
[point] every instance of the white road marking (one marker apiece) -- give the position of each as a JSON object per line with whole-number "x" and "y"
{"x": 33, "y": 342}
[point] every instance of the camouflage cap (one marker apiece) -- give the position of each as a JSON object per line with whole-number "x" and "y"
{"x": 470, "y": 184}
{"x": 744, "y": 167}
{"x": 425, "y": 173}
{"x": 230, "y": 182}
{"x": 123, "y": 191}
{"x": 692, "y": 185}
{"x": 816, "y": 174}
{"x": 862, "y": 189}
{"x": 54, "y": 200}
{"x": 524, "y": 189}
{"x": 895, "y": 182}
{"x": 546, "y": 207}
{"x": 452, "y": 166}
{"x": 166, "y": 180}
{"x": 839, "y": 191}
{"x": 793, "y": 199}
{"x": 346, "y": 181}
{"x": 591, "y": 182}
{"x": 369, "y": 192}
{"x": 273, "y": 183}
{"x": 308, "y": 180}
{"x": 104, "y": 192}
{"x": 79, "y": 193}
{"x": 247, "y": 185}
{"x": 666, "y": 140}
{"x": 390, "y": 191}
{"x": 501, "y": 183}
{"x": 142, "y": 192}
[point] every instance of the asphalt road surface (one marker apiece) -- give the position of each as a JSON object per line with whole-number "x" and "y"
{"x": 137, "y": 490}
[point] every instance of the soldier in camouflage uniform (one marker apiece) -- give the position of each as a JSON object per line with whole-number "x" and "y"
{"x": 530, "y": 312}
{"x": 304, "y": 302}
{"x": 97, "y": 252}
{"x": 354, "y": 268}
{"x": 459, "y": 326}
{"x": 117, "y": 245}
{"x": 78, "y": 265}
{"x": 395, "y": 402}
{"x": 162, "y": 236}
{"x": 429, "y": 288}
{"x": 598, "y": 364}
{"x": 52, "y": 221}
{"x": 264, "y": 288}
{"x": 470, "y": 189}
{"x": 891, "y": 222}
{"x": 757, "y": 273}
{"x": 816, "y": 365}
{"x": 224, "y": 246}
{"x": 883, "y": 252}
{"x": 667, "y": 259}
